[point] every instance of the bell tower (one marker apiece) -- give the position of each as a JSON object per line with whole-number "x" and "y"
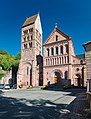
{"x": 31, "y": 47}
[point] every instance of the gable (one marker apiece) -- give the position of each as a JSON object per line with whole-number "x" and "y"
{"x": 56, "y": 36}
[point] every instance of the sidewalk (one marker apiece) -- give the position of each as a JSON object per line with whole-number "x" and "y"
{"x": 76, "y": 110}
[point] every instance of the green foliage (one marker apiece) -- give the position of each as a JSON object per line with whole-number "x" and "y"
{"x": 29, "y": 87}
{"x": 66, "y": 87}
{"x": 7, "y": 60}
{"x": 1, "y": 75}
{"x": 43, "y": 87}
{"x": 18, "y": 56}
{"x": 3, "y": 52}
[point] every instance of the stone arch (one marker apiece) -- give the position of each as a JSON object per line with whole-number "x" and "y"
{"x": 56, "y": 76}
{"x": 77, "y": 79}
{"x": 27, "y": 74}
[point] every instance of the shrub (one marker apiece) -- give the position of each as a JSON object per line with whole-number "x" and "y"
{"x": 29, "y": 87}
{"x": 43, "y": 87}
{"x": 66, "y": 87}
{"x": 1, "y": 75}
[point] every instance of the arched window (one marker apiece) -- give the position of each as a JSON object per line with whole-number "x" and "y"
{"x": 24, "y": 39}
{"x": 61, "y": 49}
{"x": 67, "y": 59}
{"x": 66, "y": 75}
{"x": 27, "y": 38}
{"x": 30, "y": 44}
{"x": 25, "y": 46}
{"x": 56, "y": 37}
{"x": 52, "y": 51}
{"x": 31, "y": 37}
{"x": 47, "y": 52}
{"x": 56, "y": 50}
{"x": 66, "y": 48}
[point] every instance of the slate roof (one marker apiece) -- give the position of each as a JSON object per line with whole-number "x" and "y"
{"x": 80, "y": 56}
{"x": 87, "y": 43}
{"x": 30, "y": 20}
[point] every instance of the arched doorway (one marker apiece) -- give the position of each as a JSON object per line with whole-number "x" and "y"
{"x": 57, "y": 78}
{"x": 77, "y": 80}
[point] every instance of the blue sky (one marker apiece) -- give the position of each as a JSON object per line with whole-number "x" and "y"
{"x": 73, "y": 18}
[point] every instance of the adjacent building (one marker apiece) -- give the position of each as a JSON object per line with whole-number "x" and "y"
{"x": 87, "y": 47}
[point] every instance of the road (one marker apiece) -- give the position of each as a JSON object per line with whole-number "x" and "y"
{"x": 34, "y": 103}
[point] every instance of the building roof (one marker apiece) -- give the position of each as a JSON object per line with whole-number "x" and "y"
{"x": 80, "y": 56}
{"x": 59, "y": 31}
{"x": 30, "y": 20}
{"x": 89, "y": 42}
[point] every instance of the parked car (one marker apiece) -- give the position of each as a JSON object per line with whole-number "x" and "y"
{"x": 6, "y": 86}
{"x": 1, "y": 86}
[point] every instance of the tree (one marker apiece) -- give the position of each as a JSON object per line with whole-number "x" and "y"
{"x": 6, "y": 60}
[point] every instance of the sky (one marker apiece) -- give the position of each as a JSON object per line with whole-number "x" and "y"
{"x": 73, "y": 18}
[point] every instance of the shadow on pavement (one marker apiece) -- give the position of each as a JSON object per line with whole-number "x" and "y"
{"x": 11, "y": 108}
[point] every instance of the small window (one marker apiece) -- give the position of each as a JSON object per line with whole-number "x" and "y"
{"x": 66, "y": 46}
{"x": 81, "y": 61}
{"x": 30, "y": 30}
{"x": 56, "y": 50}
{"x": 31, "y": 37}
{"x": 30, "y": 44}
{"x": 25, "y": 46}
{"x": 48, "y": 52}
{"x": 52, "y": 51}
{"x": 77, "y": 69}
{"x": 56, "y": 37}
{"x": 28, "y": 38}
{"x": 61, "y": 49}
{"x": 25, "y": 32}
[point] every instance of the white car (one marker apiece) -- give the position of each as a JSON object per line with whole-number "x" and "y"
{"x": 6, "y": 86}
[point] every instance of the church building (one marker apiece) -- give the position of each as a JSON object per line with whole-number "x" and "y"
{"x": 59, "y": 65}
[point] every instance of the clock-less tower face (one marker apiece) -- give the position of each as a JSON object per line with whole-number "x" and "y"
{"x": 31, "y": 40}
{"x": 31, "y": 47}
{"x": 28, "y": 44}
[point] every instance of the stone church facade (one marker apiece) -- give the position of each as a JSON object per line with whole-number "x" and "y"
{"x": 59, "y": 65}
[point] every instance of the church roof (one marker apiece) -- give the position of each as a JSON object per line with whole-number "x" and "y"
{"x": 30, "y": 20}
{"x": 89, "y": 42}
{"x": 80, "y": 56}
{"x": 56, "y": 29}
